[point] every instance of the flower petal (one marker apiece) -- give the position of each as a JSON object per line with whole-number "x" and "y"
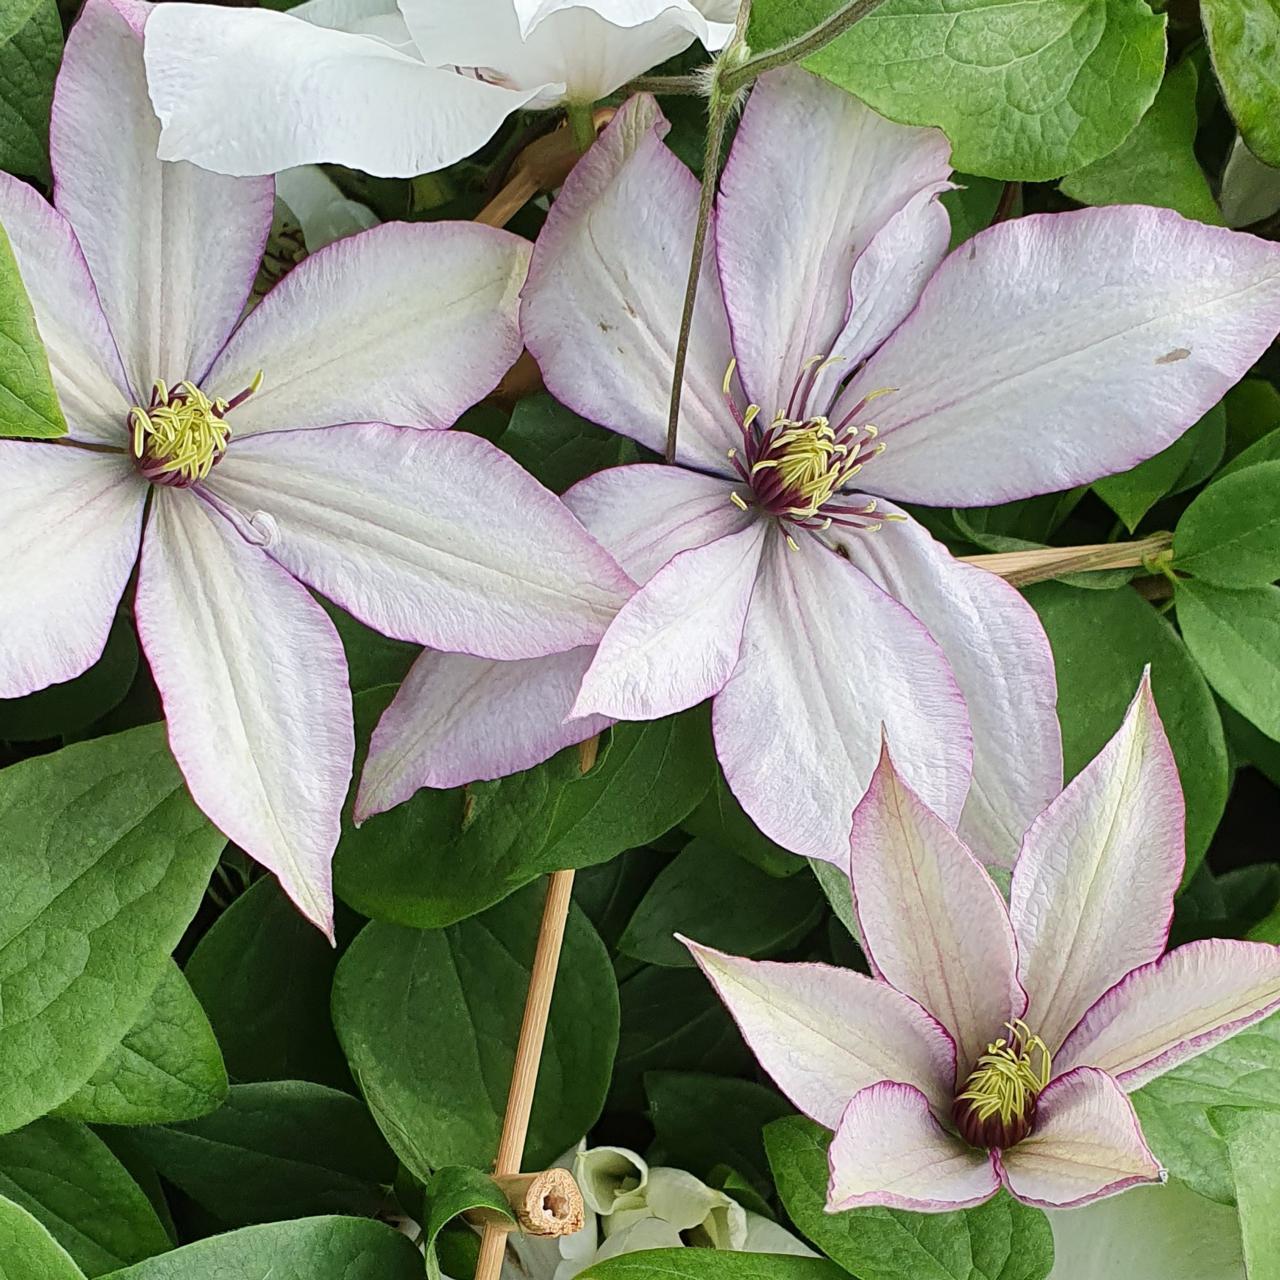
{"x": 676, "y": 641}
{"x": 791, "y": 222}
{"x": 1053, "y": 349}
{"x": 254, "y": 683}
{"x": 304, "y": 93}
{"x": 1086, "y": 1145}
{"x": 1002, "y": 663}
{"x": 407, "y": 323}
{"x": 891, "y": 1151}
{"x": 1093, "y": 886}
{"x": 934, "y": 923}
{"x": 83, "y": 360}
{"x": 601, "y": 311}
{"x": 827, "y": 658}
{"x": 68, "y": 542}
{"x": 1175, "y": 1008}
{"x": 458, "y": 719}
{"x": 824, "y": 1033}
{"x": 173, "y": 249}
{"x": 432, "y": 536}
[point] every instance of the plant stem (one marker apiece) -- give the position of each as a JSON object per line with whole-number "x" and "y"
{"x": 582, "y": 122}
{"x": 1042, "y": 563}
{"x": 687, "y": 85}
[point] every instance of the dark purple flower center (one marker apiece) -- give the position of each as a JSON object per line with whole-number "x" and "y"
{"x": 181, "y": 436}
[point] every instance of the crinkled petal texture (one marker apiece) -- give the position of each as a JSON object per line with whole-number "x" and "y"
{"x": 1086, "y": 1145}
{"x": 1004, "y": 667}
{"x": 407, "y": 323}
{"x": 933, "y": 922}
{"x": 1092, "y": 891}
{"x": 68, "y": 542}
{"x": 827, "y": 659}
{"x": 1053, "y": 349}
{"x": 435, "y": 537}
{"x": 601, "y": 311}
{"x": 1174, "y": 1008}
{"x": 824, "y": 1034}
{"x": 889, "y": 1150}
{"x": 252, "y": 91}
{"x": 790, "y": 223}
{"x": 173, "y": 249}
{"x": 254, "y": 683}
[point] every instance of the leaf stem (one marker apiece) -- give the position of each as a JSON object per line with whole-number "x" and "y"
{"x": 582, "y": 122}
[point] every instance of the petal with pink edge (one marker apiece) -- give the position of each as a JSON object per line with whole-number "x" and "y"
{"x": 1093, "y": 886}
{"x": 254, "y": 683}
{"x": 68, "y": 542}
{"x": 827, "y": 659}
{"x": 431, "y": 536}
{"x": 934, "y": 923}
{"x": 824, "y": 1034}
{"x": 1002, "y": 663}
{"x": 1038, "y": 331}
{"x": 173, "y": 249}
{"x": 791, "y": 222}
{"x": 407, "y": 323}
{"x": 601, "y": 311}
{"x": 676, "y": 641}
{"x": 890, "y": 1150}
{"x": 458, "y": 719}
{"x": 1174, "y": 1008}
{"x": 1086, "y": 1145}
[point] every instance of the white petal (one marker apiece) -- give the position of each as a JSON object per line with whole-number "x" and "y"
{"x": 322, "y": 212}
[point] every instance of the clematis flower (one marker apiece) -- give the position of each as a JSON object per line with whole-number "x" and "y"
{"x": 394, "y": 90}
{"x": 996, "y": 1045}
{"x": 841, "y": 364}
{"x": 213, "y": 445}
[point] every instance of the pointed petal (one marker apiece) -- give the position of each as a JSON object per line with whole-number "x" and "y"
{"x": 306, "y": 94}
{"x": 254, "y": 683}
{"x": 934, "y": 923}
{"x": 1009, "y": 364}
{"x": 824, "y": 1033}
{"x": 601, "y": 311}
{"x": 431, "y": 536}
{"x": 1174, "y": 1008}
{"x": 458, "y": 719}
{"x": 891, "y": 1151}
{"x": 86, "y": 369}
{"x": 1093, "y": 886}
{"x": 173, "y": 249}
{"x": 407, "y": 323}
{"x": 1002, "y": 662}
{"x": 68, "y": 542}
{"x": 676, "y": 641}
{"x": 1086, "y": 1145}
{"x": 827, "y": 658}
{"x": 792, "y": 222}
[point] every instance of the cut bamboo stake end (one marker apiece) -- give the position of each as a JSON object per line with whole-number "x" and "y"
{"x": 546, "y": 1204}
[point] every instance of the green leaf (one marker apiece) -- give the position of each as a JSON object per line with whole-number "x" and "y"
{"x": 1230, "y": 534}
{"x": 304, "y": 1249}
{"x": 559, "y": 448}
{"x": 1101, "y": 641}
{"x": 1235, "y": 637}
{"x": 30, "y": 50}
{"x": 720, "y": 818}
{"x": 106, "y": 860}
{"x": 1244, "y": 36}
{"x": 167, "y": 1067}
{"x": 1243, "y": 1071}
{"x": 28, "y": 403}
{"x": 454, "y": 1190}
{"x": 28, "y": 1251}
{"x": 429, "y": 1020}
{"x": 971, "y": 205}
{"x": 1156, "y": 164}
{"x": 839, "y": 893}
{"x": 263, "y": 975}
{"x": 712, "y": 1264}
{"x": 1253, "y": 1139}
{"x": 1000, "y": 1240}
{"x": 64, "y": 1175}
{"x": 281, "y": 1149}
{"x": 1253, "y": 411}
{"x": 372, "y": 659}
{"x": 1030, "y": 90}
{"x": 722, "y": 901}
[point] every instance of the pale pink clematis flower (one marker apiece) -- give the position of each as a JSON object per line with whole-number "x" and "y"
{"x": 996, "y": 1044}
{"x": 254, "y": 459}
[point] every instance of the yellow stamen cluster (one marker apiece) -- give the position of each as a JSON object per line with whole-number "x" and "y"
{"x": 811, "y": 464}
{"x": 181, "y": 432}
{"x": 1008, "y": 1078}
